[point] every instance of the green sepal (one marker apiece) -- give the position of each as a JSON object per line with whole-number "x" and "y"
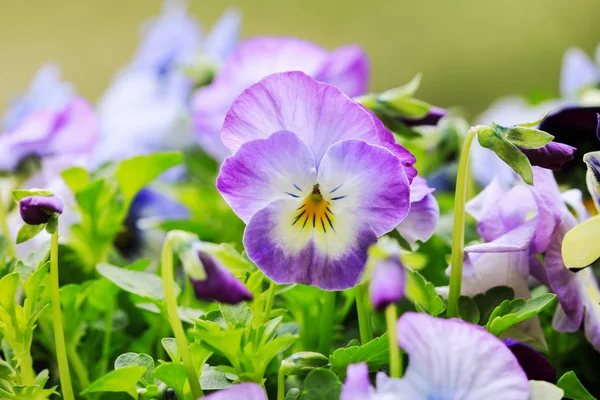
{"x": 303, "y": 362}
{"x": 535, "y": 123}
{"x": 52, "y": 224}
{"x": 527, "y": 138}
{"x": 20, "y": 194}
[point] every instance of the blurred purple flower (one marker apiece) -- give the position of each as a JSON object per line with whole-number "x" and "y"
{"x": 578, "y": 72}
{"x": 220, "y": 284}
{"x": 37, "y": 210}
{"x": 387, "y": 282}
{"x": 347, "y": 68}
{"x": 535, "y": 365}
{"x": 434, "y": 116}
{"x": 240, "y": 391}
{"x": 445, "y": 361}
{"x": 312, "y": 178}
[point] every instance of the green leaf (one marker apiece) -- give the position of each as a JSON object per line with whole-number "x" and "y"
{"x": 28, "y": 232}
{"x": 20, "y": 194}
{"x": 139, "y": 283}
{"x": 120, "y": 380}
{"x": 238, "y": 316}
{"x": 421, "y": 292}
{"x": 173, "y": 375}
{"x": 527, "y": 138}
{"x": 141, "y": 360}
{"x": 512, "y": 312}
{"x": 573, "y": 388}
{"x": 76, "y": 178}
{"x": 468, "y": 310}
{"x": 137, "y": 172}
{"x": 8, "y": 290}
{"x": 510, "y": 154}
{"x": 213, "y": 379}
{"x": 407, "y": 107}
{"x": 170, "y": 346}
{"x": 488, "y": 301}
{"x": 321, "y": 384}
{"x": 375, "y": 353}
{"x": 292, "y": 394}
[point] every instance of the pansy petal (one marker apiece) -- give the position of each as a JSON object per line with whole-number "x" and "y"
{"x": 290, "y": 247}
{"x": 518, "y": 239}
{"x": 591, "y": 302}
{"x": 592, "y": 177}
{"x": 485, "y": 202}
{"x": 535, "y": 365}
{"x": 366, "y": 180}
{"x": 576, "y": 249}
{"x": 574, "y": 199}
{"x": 76, "y": 129}
{"x": 357, "y": 385}
{"x": 564, "y": 283}
{"x": 578, "y": 71}
{"x": 346, "y": 68}
{"x": 222, "y": 39}
{"x": 551, "y": 156}
{"x": 266, "y": 170}
{"x": 445, "y": 362}
{"x": 241, "y": 391}
{"x": 572, "y": 125}
{"x": 421, "y": 221}
{"x": 542, "y": 390}
{"x": 319, "y": 114}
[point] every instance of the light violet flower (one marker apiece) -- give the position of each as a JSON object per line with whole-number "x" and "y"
{"x": 347, "y": 68}
{"x": 578, "y": 72}
{"x": 313, "y": 177}
{"x": 448, "y": 359}
{"x": 241, "y": 391}
{"x": 145, "y": 109}
{"x": 422, "y": 219}
{"x": 388, "y": 278}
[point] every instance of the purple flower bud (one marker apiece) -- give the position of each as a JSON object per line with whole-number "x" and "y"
{"x": 432, "y": 118}
{"x": 220, "y": 284}
{"x": 36, "y": 210}
{"x": 387, "y": 282}
{"x": 551, "y": 156}
{"x": 534, "y": 364}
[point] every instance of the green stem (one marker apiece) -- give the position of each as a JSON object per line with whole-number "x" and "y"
{"x": 364, "y": 314}
{"x": 270, "y": 300}
{"x": 391, "y": 318}
{"x": 12, "y": 249}
{"x": 280, "y": 384}
{"x": 26, "y": 368}
{"x": 108, "y": 325}
{"x": 458, "y": 235}
{"x": 175, "y": 321}
{"x": 327, "y": 322}
{"x": 59, "y": 335}
{"x": 79, "y": 368}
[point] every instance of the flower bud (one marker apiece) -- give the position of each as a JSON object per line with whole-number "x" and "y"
{"x": 303, "y": 362}
{"x": 387, "y": 282}
{"x": 37, "y": 210}
{"x": 220, "y": 284}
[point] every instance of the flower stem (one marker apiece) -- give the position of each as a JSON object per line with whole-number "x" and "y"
{"x": 270, "y": 300}
{"x": 458, "y": 234}
{"x": 391, "y": 318}
{"x": 364, "y": 314}
{"x": 280, "y": 384}
{"x": 59, "y": 335}
{"x": 174, "y": 320}
{"x": 327, "y": 322}
{"x": 108, "y": 325}
{"x": 12, "y": 249}
{"x": 26, "y": 369}
{"x": 79, "y": 367}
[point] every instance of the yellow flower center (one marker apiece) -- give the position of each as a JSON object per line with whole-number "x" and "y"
{"x": 314, "y": 211}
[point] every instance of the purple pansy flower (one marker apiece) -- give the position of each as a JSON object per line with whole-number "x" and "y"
{"x": 312, "y": 178}
{"x": 422, "y": 219}
{"x": 578, "y": 72}
{"x": 220, "y": 284}
{"x": 445, "y": 361}
{"x": 535, "y": 365}
{"x": 241, "y": 391}
{"x": 37, "y": 210}
{"x": 388, "y": 277}
{"x": 347, "y": 68}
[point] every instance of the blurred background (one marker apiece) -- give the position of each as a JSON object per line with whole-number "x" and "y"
{"x": 470, "y": 51}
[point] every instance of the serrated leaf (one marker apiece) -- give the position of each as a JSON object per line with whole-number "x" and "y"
{"x": 238, "y": 316}
{"x": 140, "y": 283}
{"x": 213, "y": 379}
{"x": 573, "y": 388}
{"x": 512, "y": 312}
{"x": 28, "y": 232}
{"x": 468, "y": 310}
{"x": 120, "y": 380}
{"x": 422, "y": 292}
{"x": 508, "y": 152}
{"x": 375, "y": 353}
{"x": 173, "y": 375}
{"x": 138, "y": 359}
{"x": 321, "y": 384}
{"x": 488, "y": 301}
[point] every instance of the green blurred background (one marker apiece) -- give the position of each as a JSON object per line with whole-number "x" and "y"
{"x": 470, "y": 51}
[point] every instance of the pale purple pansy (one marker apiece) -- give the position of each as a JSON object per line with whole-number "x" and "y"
{"x": 220, "y": 284}
{"x": 145, "y": 109}
{"x": 422, "y": 219}
{"x": 445, "y": 362}
{"x": 388, "y": 281}
{"x": 312, "y": 179}
{"x": 347, "y": 68}
{"x": 241, "y": 391}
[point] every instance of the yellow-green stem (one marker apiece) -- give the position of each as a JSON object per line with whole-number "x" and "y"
{"x": 59, "y": 335}
{"x": 79, "y": 368}
{"x": 327, "y": 322}
{"x": 108, "y": 325}
{"x": 280, "y": 384}
{"x": 391, "y": 318}
{"x": 458, "y": 235}
{"x": 26, "y": 368}
{"x": 12, "y": 249}
{"x": 174, "y": 320}
{"x": 364, "y": 313}
{"x": 270, "y": 300}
